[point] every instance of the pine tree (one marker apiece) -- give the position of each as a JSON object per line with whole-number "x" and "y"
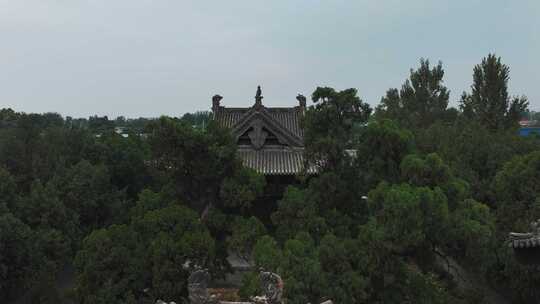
{"x": 422, "y": 100}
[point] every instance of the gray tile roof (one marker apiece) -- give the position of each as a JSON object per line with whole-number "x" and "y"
{"x": 228, "y": 117}
{"x": 269, "y": 158}
{"x": 289, "y": 118}
{"x": 523, "y": 240}
{"x": 527, "y": 243}
{"x": 275, "y": 161}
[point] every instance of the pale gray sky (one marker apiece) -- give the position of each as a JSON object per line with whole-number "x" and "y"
{"x": 153, "y": 57}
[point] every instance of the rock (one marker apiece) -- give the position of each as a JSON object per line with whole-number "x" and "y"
{"x": 272, "y": 287}
{"x": 198, "y": 287}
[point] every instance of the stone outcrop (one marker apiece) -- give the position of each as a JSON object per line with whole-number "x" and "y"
{"x": 272, "y": 287}
{"x": 198, "y": 288}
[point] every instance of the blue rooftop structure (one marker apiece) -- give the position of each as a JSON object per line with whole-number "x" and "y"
{"x": 529, "y": 130}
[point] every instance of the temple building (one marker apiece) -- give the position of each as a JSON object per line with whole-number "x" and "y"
{"x": 270, "y": 140}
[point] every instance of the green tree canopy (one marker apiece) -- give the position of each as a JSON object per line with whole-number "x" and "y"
{"x": 15, "y": 255}
{"x": 422, "y": 100}
{"x": 489, "y": 102}
{"x": 196, "y": 162}
{"x": 244, "y": 234}
{"x": 118, "y": 263}
{"x": 516, "y": 191}
{"x": 328, "y": 125}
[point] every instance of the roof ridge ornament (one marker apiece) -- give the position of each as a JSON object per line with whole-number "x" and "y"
{"x": 301, "y": 100}
{"x": 215, "y": 102}
{"x": 258, "y": 97}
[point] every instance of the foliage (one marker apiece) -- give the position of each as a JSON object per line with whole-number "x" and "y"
{"x": 297, "y": 213}
{"x": 473, "y": 153}
{"x": 118, "y": 263}
{"x": 329, "y": 123}
{"x": 196, "y": 162}
{"x": 199, "y": 119}
{"x": 381, "y": 146}
{"x": 241, "y": 189}
{"x": 422, "y": 100}
{"x": 516, "y": 189}
{"x": 410, "y": 217}
{"x": 87, "y": 191}
{"x": 489, "y": 102}
{"x": 15, "y": 255}
{"x": 397, "y": 196}
{"x": 244, "y": 234}
{"x": 125, "y": 159}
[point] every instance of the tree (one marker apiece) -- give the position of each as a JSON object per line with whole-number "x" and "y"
{"x": 516, "y": 190}
{"x": 341, "y": 261}
{"x": 381, "y": 146}
{"x": 471, "y": 231}
{"x": 15, "y": 255}
{"x": 98, "y": 124}
{"x": 301, "y": 271}
{"x": 296, "y": 213}
{"x": 125, "y": 159}
{"x": 244, "y": 233}
{"x": 8, "y": 191}
{"x": 86, "y": 190}
{"x": 429, "y": 171}
{"x": 199, "y": 119}
{"x": 474, "y": 153}
{"x": 109, "y": 266}
{"x": 241, "y": 189}
{"x": 195, "y": 162}
{"x": 118, "y": 263}
{"x": 422, "y": 100}
{"x": 267, "y": 253}
{"x": 42, "y": 208}
{"x": 409, "y": 217}
{"x": 55, "y": 230}
{"x": 489, "y": 103}
{"x": 328, "y": 125}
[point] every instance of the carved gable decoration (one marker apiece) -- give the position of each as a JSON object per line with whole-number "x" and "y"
{"x": 257, "y": 135}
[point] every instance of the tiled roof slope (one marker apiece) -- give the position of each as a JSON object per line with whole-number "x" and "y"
{"x": 275, "y": 162}
{"x": 525, "y": 240}
{"x": 525, "y": 243}
{"x": 289, "y": 118}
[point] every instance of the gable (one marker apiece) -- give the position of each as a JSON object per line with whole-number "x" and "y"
{"x": 261, "y": 128}
{"x": 289, "y": 118}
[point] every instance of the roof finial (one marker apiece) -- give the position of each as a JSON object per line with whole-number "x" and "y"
{"x": 215, "y": 102}
{"x": 301, "y": 100}
{"x": 258, "y": 96}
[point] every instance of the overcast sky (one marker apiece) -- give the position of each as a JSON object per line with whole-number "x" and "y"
{"x": 153, "y": 57}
